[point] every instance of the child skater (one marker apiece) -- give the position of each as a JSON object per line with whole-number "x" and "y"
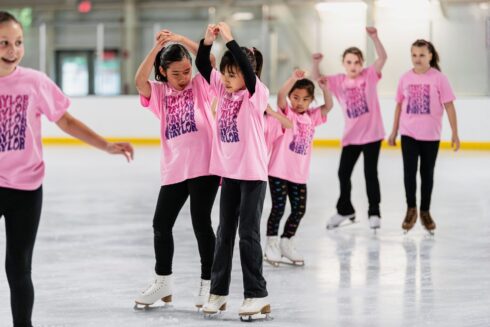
{"x": 185, "y": 115}
{"x": 423, "y": 93}
{"x": 239, "y": 155}
{"x": 363, "y": 132}
{"x": 25, "y": 95}
{"x": 290, "y": 164}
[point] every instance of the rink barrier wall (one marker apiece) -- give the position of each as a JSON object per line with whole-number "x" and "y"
{"x": 123, "y": 118}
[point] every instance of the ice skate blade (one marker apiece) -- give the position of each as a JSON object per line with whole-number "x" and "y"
{"x": 351, "y": 222}
{"x": 286, "y": 261}
{"x": 271, "y": 262}
{"x": 149, "y": 307}
{"x": 256, "y": 317}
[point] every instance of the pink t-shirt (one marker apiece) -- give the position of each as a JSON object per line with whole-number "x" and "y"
{"x": 25, "y": 95}
{"x": 360, "y": 104}
{"x": 273, "y": 131}
{"x": 239, "y": 146}
{"x": 291, "y": 154}
{"x": 422, "y": 97}
{"x": 185, "y": 128}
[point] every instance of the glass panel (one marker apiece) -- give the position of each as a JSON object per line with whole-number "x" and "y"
{"x": 74, "y": 70}
{"x": 108, "y": 74}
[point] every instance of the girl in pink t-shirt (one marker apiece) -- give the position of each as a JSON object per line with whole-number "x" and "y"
{"x": 239, "y": 156}
{"x": 178, "y": 101}
{"x": 356, "y": 92}
{"x": 25, "y": 95}
{"x": 423, "y": 93}
{"x": 289, "y": 165}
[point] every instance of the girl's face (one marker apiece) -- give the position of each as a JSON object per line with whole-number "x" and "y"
{"x": 353, "y": 65}
{"x": 421, "y": 58}
{"x": 178, "y": 74}
{"x": 300, "y": 100}
{"x": 232, "y": 79}
{"x": 11, "y": 47}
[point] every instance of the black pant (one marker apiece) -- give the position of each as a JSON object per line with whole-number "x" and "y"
{"x": 241, "y": 205}
{"x": 427, "y": 151}
{"x": 22, "y": 212}
{"x": 282, "y": 189}
{"x": 202, "y": 191}
{"x": 348, "y": 159}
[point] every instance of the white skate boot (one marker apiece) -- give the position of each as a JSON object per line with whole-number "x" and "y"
{"x": 272, "y": 252}
{"x": 374, "y": 222}
{"x": 215, "y": 304}
{"x": 203, "y": 294}
{"x": 288, "y": 251}
{"x": 338, "y": 219}
{"x": 161, "y": 288}
{"x": 254, "y": 308}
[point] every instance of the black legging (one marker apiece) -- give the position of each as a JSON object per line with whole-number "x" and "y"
{"x": 22, "y": 212}
{"x": 202, "y": 191}
{"x": 412, "y": 149}
{"x": 280, "y": 190}
{"x": 348, "y": 159}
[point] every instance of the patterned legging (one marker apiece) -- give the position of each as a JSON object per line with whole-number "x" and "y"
{"x": 280, "y": 190}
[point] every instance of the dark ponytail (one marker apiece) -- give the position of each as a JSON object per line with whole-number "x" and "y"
{"x": 254, "y": 57}
{"x": 6, "y": 17}
{"x": 434, "y": 63}
{"x": 168, "y": 55}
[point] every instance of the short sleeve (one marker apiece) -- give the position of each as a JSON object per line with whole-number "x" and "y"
{"x": 399, "y": 92}
{"x": 260, "y": 98}
{"x": 52, "y": 102}
{"x": 316, "y": 117}
{"x": 273, "y": 129}
{"x": 154, "y": 102}
{"x": 372, "y": 75}
{"x": 445, "y": 90}
{"x": 334, "y": 83}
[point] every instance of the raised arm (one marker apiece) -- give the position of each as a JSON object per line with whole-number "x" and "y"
{"x": 203, "y": 62}
{"x": 453, "y": 121}
{"x": 282, "y": 95}
{"x": 315, "y": 71}
{"x": 144, "y": 70}
{"x": 240, "y": 57}
{"x": 380, "y": 50}
{"x": 285, "y": 122}
{"x": 396, "y": 124}
{"x": 79, "y": 130}
{"x": 327, "y": 96}
{"x": 191, "y": 45}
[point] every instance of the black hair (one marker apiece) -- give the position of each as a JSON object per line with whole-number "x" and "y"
{"x": 7, "y": 17}
{"x": 304, "y": 84}
{"x": 168, "y": 55}
{"x": 254, "y": 57}
{"x": 434, "y": 62}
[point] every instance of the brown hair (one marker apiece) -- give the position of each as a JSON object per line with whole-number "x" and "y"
{"x": 355, "y": 51}
{"x": 434, "y": 63}
{"x": 7, "y": 17}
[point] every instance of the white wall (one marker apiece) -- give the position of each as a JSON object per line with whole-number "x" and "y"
{"x": 124, "y": 117}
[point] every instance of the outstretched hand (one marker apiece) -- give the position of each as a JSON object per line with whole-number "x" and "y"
{"x": 123, "y": 148}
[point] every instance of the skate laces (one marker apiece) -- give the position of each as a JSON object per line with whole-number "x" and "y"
{"x": 155, "y": 286}
{"x": 204, "y": 289}
{"x": 214, "y": 298}
{"x": 248, "y": 301}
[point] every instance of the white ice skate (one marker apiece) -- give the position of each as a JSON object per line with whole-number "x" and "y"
{"x": 338, "y": 219}
{"x": 215, "y": 304}
{"x": 203, "y": 294}
{"x": 161, "y": 288}
{"x": 272, "y": 252}
{"x": 254, "y": 309}
{"x": 374, "y": 222}
{"x": 289, "y": 252}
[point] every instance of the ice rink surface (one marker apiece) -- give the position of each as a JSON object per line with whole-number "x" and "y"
{"x": 94, "y": 250}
